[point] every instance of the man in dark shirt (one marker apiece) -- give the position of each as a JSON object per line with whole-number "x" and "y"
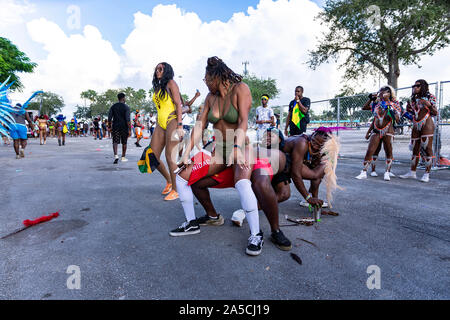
{"x": 303, "y": 104}
{"x": 96, "y": 129}
{"x": 120, "y": 126}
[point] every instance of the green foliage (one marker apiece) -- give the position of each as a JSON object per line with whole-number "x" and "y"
{"x": 52, "y": 103}
{"x": 100, "y": 103}
{"x": 260, "y": 86}
{"x": 403, "y": 32}
{"x": 445, "y": 112}
{"x": 82, "y": 112}
{"x": 350, "y": 107}
{"x": 13, "y": 61}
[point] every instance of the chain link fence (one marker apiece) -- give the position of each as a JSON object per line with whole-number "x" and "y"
{"x": 347, "y": 112}
{"x": 442, "y": 143}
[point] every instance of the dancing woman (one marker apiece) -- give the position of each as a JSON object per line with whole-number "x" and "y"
{"x": 227, "y": 106}
{"x": 385, "y": 110}
{"x": 168, "y": 104}
{"x": 423, "y": 108}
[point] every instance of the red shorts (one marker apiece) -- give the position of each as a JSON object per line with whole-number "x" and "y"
{"x": 225, "y": 178}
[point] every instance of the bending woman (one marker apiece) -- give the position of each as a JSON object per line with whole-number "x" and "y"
{"x": 423, "y": 107}
{"x": 168, "y": 104}
{"x": 386, "y": 110}
{"x": 227, "y": 106}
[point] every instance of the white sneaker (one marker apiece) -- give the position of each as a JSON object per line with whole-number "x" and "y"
{"x": 392, "y": 175}
{"x": 238, "y": 217}
{"x": 373, "y": 174}
{"x": 305, "y": 203}
{"x": 387, "y": 176}
{"x": 362, "y": 175}
{"x": 425, "y": 178}
{"x": 409, "y": 175}
{"x": 124, "y": 159}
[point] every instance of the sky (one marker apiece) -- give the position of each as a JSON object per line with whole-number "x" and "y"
{"x": 101, "y": 44}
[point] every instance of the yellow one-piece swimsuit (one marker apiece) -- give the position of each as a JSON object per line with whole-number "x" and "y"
{"x": 165, "y": 108}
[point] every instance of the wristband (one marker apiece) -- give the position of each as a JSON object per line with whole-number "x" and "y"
{"x": 308, "y": 197}
{"x": 180, "y": 123}
{"x": 237, "y": 146}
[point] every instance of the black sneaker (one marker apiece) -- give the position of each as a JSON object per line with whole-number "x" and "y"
{"x": 209, "y": 221}
{"x": 255, "y": 244}
{"x": 186, "y": 229}
{"x": 280, "y": 240}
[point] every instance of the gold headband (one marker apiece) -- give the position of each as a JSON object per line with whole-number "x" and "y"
{"x": 266, "y": 97}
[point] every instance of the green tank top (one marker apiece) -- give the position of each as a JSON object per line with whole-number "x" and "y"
{"x": 232, "y": 115}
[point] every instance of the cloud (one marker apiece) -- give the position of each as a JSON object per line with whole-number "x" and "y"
{"x": 13, "y": 12}
{"x": 74, "y": 63}
{"x": 274, "y": 37}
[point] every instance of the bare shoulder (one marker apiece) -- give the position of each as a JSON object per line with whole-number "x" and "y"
{"x": 241, "y": 87}
{"x": 172, "y": 84}
{"x": 298, "y": 144}
{"x": 208, "y": 100}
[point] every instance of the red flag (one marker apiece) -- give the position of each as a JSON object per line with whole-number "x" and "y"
{"x": 29, "y": 223}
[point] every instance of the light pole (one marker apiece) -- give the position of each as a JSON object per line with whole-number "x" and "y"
{"x": 245, "y": 63}
{"x": 179, "y": 77}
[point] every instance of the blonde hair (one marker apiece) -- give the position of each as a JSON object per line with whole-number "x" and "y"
{"x": 330, "y": 152}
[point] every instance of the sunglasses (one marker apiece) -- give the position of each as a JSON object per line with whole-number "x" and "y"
{"x": 160, "y": 69}
{"x": 416, "y": 86}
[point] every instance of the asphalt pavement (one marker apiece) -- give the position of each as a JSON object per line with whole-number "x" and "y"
{"x": 113, "y": 227}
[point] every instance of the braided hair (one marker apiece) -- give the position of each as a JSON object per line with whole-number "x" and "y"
{"x": 161, "y": 84}
{"x": 424, "y": 90}
{"x": 323, "y": 132}
{"x": 216, "y": 68}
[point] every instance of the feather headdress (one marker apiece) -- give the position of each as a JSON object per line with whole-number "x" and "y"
{"x": 330, "y": 152}
{"x": 6, "y": 119}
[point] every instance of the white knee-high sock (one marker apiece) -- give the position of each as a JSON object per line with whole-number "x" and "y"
{"x": 186, "y": 197}
{"x": 249, "y": 204}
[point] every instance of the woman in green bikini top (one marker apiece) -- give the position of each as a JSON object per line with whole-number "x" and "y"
{"x": 231, "y": 117}
{"x": 227, "y": 107}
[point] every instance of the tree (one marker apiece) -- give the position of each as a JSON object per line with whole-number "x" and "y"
{"x": 82, "y": 112}
{"x": 135, "y": 98}
{"x": 260, "y": 86}
{"x": 13, "y": 61}
{"x": 90, "y": 95}
{"x": 101, "y": 102}
{"x": 380, "y": 37}
{"x": 445, "y": 112}
{"x": 51, "y": 103}
{"x": 350, "y": 105}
